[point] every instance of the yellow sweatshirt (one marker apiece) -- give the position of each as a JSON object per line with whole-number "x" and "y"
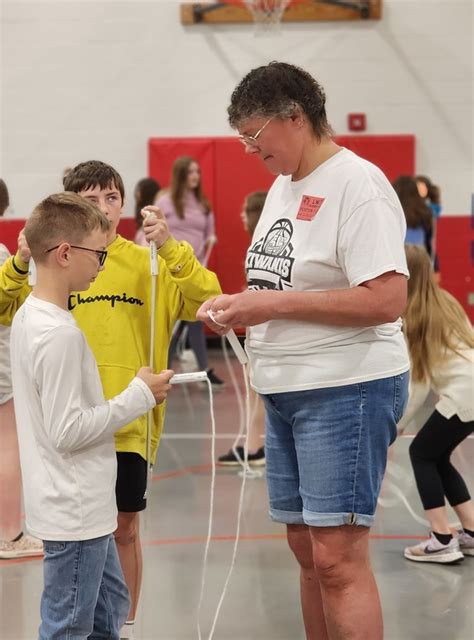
{"x": 114, "y": 314}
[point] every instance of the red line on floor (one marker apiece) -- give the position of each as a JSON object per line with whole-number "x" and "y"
{"x": 199, "y": 539}
{"x": 265, "y": 536}
{"x": 382, "y": 536}
{"x": 181, "y": 472}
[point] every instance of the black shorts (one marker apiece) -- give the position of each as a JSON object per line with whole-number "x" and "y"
{"x": 131, "y": 482}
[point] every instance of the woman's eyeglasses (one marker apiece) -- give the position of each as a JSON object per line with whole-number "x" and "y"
{"x": 252, "y": 141}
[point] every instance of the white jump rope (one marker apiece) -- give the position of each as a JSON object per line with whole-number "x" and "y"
{"x": 196, "y": 377}
{"x": 242, "y": 357}
{"x": 244, "y": 421}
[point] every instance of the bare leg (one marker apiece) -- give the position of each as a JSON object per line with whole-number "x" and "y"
{"x": 438, "y": 519}
{"x": 349, "y": 592}
{"x": 127, "y": 537}
{"x": 299, "y": 540}
{"x": 257, "y": 422}
{"x": 465, "y": 513}
{"x": 10, "y": 475}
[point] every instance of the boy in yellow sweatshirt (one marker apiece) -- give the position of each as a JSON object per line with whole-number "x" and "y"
{"x": 114, "y": 314}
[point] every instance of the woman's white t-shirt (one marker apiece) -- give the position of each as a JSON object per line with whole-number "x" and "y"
{"x": 340, "y": 226}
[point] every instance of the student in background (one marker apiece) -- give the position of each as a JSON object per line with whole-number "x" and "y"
{"x": 66, "y": 427}
{"x": 145, "y": 194}
{"x": 4, "y": 197}
{"x": 189, "y": 216}
{"x": 250, "y": 215}
{"x": 417, "y": 213}
{"x": 431, "y": 194}
{"x": 441, "y": 345}
{"x": 14, "y": 543}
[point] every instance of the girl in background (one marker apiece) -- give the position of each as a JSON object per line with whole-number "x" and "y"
{"x": 441, "y": 344}
{"x": 431, "y": 194}
{"x": 417, "y": 213}
{"x": 190, "y": 218}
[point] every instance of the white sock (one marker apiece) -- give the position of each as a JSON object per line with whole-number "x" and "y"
{"x": 127, "y": 630}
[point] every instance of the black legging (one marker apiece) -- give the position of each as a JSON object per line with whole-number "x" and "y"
{"x": 430, "y": 454}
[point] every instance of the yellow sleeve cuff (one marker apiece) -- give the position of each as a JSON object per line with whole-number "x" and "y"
{"x": 19, "y": 265}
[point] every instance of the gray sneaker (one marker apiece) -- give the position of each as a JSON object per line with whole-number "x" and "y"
{"x": 466, "y": 543}
{"x": 432, "y": 550}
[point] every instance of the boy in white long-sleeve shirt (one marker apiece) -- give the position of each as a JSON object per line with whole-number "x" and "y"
{"x": 65, "y": 426}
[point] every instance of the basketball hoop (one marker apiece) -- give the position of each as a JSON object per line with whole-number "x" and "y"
{"x": 267, "y": 14}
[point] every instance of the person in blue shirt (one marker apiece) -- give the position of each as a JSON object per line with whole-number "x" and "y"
{"x": 431, "y": 194}
{"x": 417, "y": 213}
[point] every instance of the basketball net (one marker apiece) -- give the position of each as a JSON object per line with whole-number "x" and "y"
{"x": 267, "y": 14}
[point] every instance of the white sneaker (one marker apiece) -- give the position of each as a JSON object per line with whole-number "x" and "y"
{"x": 432, "y": 550}
{"x": 25, "y": 547}
{"x": 466, "y": 543}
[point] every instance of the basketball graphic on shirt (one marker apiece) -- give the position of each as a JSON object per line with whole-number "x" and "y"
{"x": 269, "y": 263}
{"x": 278, "y": 238}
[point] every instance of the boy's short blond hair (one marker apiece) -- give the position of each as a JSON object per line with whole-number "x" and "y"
{"x": 62, "y": 217}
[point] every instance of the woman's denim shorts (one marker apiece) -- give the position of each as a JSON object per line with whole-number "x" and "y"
{"x": 326, "y": 450}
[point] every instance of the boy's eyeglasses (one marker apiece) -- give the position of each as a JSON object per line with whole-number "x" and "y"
{"x": 101, "y": 255}
{"x": 252, "y": 141}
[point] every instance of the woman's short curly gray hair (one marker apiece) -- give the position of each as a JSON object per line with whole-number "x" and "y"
{"x": 279, "y": 89}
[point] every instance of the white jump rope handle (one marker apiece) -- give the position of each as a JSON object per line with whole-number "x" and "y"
{"x": 153, "y": 259}
{"x": 232, "y": 338}
{"x": 237, "y": 347}
{"x": 154, "y": 274}
{"x": 184, "y": 378}
{"x": 31, "y": 273}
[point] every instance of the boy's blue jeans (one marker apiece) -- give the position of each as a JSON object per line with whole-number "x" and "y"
{"x": 85, "y": 595}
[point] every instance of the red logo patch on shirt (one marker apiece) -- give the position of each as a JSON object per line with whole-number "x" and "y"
{"x": 309, "y": 207}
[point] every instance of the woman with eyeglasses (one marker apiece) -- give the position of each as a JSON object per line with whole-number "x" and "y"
{"x": 327, "y": 283}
